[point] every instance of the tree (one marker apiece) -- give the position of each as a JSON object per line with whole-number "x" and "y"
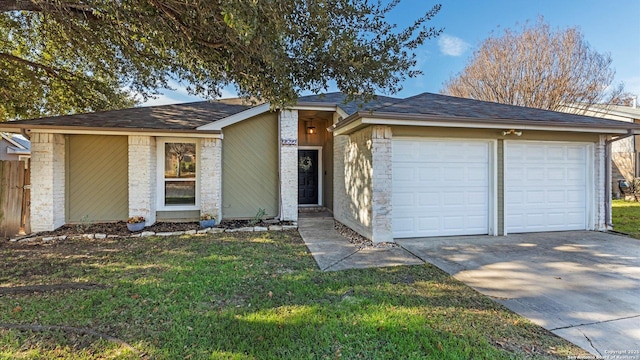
{"x": 539, "y": 68}
{"x": 81, "y": 54}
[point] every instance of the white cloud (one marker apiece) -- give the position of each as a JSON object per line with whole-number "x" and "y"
{"x": 451, "y": 45}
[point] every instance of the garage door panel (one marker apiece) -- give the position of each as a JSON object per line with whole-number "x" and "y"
{"x": 576, "y": 153}
{"x": 427, "y": 176}
{"x": 576, "y": 174}
{"x": 557, "y": 197}
{"x": 555, "y": 153}
{"x": 535, "y": 174}
{"x": 576, "y": 197}
{"x": 478, "y": 198}
{"x": 552, "y": 193}
{"x": 452, "y": 188}
{"x": 404, "y": 200}
{"x": 536, "y": 197}
{"x": 556, "y": 173}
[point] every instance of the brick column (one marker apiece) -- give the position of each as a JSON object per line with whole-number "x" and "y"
{"x": 47, "y": 181}
{"x": 142, "y": 177}
{"x": 288, "y": 123}
{"x": 381, "y": 225}
{"x": 211, "y": 177}
{"x": 600, "y": 177}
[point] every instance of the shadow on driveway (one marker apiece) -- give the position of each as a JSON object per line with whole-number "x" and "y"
{"x": 583, "y": 286}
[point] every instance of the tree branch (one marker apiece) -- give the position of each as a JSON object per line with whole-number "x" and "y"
{"x": 34, "y": 65}
{"x": 184, "y": 28}
{"x": 19, "y": 5}
{"x": 30, "y": 5}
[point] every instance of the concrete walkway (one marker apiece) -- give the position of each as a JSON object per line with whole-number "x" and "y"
{"x": 333, "y": 252}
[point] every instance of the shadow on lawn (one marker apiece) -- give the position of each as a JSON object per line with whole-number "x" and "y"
{"x": 262, "y": 296}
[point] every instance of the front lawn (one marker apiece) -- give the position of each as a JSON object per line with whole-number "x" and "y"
{"x": 626, "y": 217}
{"x": 243, "y": 296}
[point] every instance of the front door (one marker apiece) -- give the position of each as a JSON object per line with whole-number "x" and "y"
{"x": 307, "y": 176}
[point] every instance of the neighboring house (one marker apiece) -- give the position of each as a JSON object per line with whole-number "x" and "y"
{"x": 427, "y": 165}
{"x": 624, "y": 153}
{"x": 13, "y": 147}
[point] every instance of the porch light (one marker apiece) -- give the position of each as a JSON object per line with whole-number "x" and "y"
{"x": 512, "y": 132}
{"x": 311, "y": 129}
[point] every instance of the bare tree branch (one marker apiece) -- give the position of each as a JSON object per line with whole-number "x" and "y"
{"x": 536, "y": 67}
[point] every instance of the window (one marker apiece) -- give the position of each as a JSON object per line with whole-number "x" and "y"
{"x": 178, "y": 164}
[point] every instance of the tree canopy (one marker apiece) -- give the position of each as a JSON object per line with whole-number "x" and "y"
{"x": 60, "y": 57}
{"x": 537, "y": 67}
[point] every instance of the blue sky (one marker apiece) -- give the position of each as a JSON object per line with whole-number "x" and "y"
{"x": 609, "y": 26}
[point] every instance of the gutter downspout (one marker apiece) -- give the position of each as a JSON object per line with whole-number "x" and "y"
{"x": 607, "y": 181}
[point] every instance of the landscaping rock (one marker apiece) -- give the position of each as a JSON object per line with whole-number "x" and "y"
{"x": 242, "y": 229}
{"x": 275, "y": 227}
{"x": 100, "y": 236}
{"x": 260, "y": 228}
{"x": 191, "y": 232}
{"x": 147, "y": 233}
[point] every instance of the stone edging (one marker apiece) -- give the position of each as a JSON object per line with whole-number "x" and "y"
{"x": 209, "y": 230}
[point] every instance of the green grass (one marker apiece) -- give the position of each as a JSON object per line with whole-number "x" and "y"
{"x": 248, "y": 296}
{"x": 626, "y": 217}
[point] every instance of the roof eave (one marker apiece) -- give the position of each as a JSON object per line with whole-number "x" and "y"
{"x": 361, "y": 119}
{"x": 62, "y": 129}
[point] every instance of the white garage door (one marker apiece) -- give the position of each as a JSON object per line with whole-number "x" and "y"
{"x": 440, "y": 187}
{"x": 545, "y": 186}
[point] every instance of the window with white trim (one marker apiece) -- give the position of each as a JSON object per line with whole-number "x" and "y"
{"x": 178, "y": 174}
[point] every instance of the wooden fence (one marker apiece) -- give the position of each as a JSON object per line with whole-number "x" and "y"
{"x": 15, "y": 198}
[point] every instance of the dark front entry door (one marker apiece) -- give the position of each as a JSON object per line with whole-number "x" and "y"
{"x": 307, "y": 176}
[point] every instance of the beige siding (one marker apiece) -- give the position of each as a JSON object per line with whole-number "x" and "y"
{"x": 97, "y": 178}
{"x": 250, "y": 167}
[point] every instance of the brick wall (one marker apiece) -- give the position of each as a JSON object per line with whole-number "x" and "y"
{"x": 353, "y": 169}
{"x": 288, "y": 121}
{"x": 47, "y": 181}
{"x": 211, "y": 177}
{"x": 599, "y": 180}
{"x": 381, "y": 184}
{"x": 142, "y": 177}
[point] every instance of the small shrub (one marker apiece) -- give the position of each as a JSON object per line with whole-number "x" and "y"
{"x": 256, "y": 219}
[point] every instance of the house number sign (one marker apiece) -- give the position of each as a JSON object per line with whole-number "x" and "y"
{"x": 289, "y": 141}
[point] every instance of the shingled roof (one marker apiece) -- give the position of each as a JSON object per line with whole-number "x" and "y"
{"x": 442, "y": 107}
{"x": 424, "y": 107}
{"x": 188, "y": 116}
{"x": 339, "y": 99}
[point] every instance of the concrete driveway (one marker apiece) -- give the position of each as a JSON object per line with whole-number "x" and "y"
{"x": 583, "y": 286}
